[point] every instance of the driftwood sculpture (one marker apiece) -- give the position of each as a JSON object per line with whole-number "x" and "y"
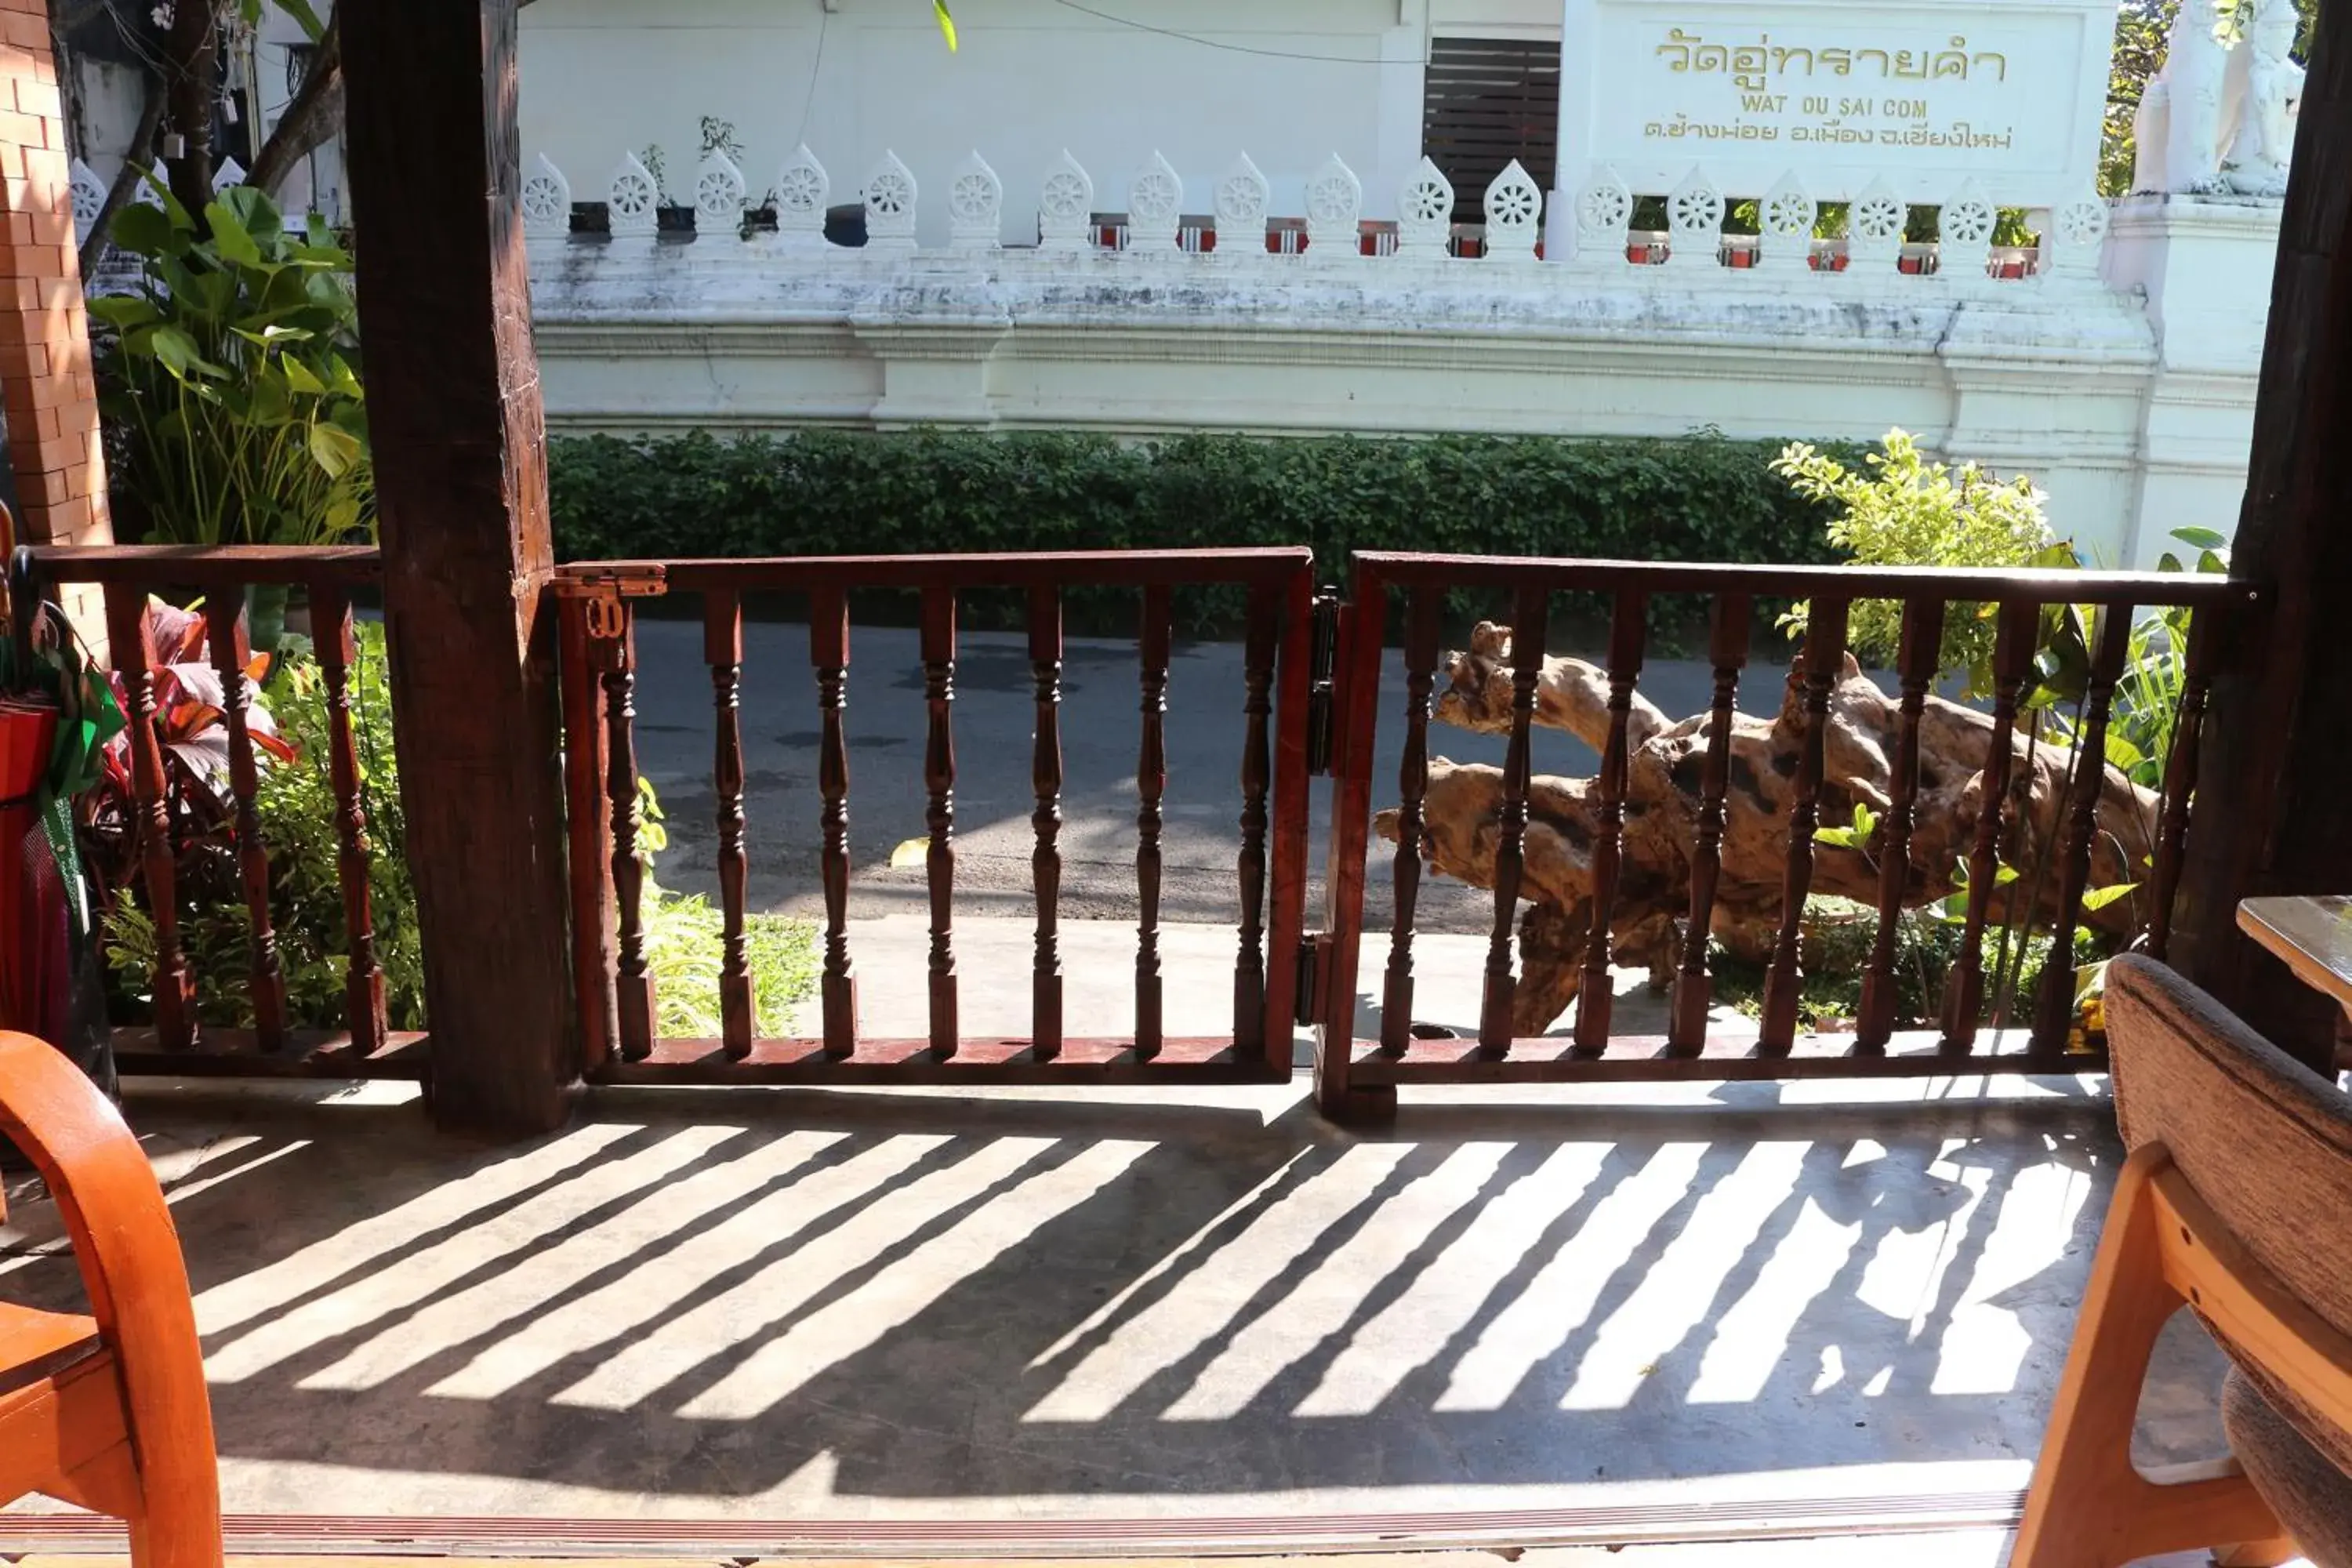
{"x": 1663, "y": 801}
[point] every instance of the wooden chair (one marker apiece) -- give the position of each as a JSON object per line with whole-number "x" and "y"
{"x": 2236, "y": 1201}
{"x": 106, "y": 1410}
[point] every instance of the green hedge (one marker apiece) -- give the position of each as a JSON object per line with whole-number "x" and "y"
{"x": 829, "y": 492}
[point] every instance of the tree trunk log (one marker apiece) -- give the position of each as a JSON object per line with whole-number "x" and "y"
{"x": 1461, "y": 811}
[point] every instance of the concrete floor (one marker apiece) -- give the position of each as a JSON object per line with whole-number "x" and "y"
{"x": 816, "y": 1306}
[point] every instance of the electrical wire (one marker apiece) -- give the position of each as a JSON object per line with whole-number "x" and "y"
{"x": 808, "y": 98}
{"x": 1232, "y": 48}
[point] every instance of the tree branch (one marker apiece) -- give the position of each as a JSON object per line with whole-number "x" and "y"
{"x": 315, "y": 115}
{"x": 136, "y": 159}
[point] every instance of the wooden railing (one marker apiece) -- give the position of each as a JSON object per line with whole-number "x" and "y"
{"x": 618, "y": 1006}
{"x": 1356, "y": 1073}
{"x": 176, "y": 1042}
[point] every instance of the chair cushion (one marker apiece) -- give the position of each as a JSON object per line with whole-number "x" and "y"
{"x": 2311, "y": 1497}
{"x": 2264, "y": 1141}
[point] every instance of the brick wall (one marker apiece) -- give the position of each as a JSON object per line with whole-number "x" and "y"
{"x": 45, "y": 367}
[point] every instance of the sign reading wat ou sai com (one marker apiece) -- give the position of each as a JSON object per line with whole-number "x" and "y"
{"x": 1926, "y": 95}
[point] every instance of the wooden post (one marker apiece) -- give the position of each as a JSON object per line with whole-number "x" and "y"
{"x": 2273, "y": 814}
{"x": 461, "y": 457}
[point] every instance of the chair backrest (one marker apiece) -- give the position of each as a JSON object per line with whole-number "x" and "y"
{"x": 2265, "y": 1142}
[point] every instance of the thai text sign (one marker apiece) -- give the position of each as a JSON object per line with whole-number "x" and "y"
{"x": 1924, "y": 95}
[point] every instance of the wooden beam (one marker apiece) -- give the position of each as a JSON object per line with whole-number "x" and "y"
{"x": 2273, "y": 812}
{"x": 461, "y": 456}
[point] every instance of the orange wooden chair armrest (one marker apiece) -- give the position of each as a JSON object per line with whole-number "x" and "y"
{"x": 142, "y": 1393}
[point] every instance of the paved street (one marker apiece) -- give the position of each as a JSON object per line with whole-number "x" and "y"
{"x": 1100, "y": 727}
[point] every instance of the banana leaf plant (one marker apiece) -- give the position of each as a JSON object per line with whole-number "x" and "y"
{"x": 230, "y": 384}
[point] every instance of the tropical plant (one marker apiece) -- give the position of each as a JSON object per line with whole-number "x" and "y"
{"x": 683, "y": 949}
{"x": 1904, "y": 510}
{"x": 230, "y": 379}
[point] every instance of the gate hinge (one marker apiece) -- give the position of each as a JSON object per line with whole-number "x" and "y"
{"x": 1307, "y": 1004}
{"x": 1322, "y": 663}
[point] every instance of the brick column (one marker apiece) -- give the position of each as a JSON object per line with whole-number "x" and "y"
{"x": 46, "y": 385}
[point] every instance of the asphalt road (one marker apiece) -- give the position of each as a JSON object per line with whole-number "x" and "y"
{"x": 993, "y": 717}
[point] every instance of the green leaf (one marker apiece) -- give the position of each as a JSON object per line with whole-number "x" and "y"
{"x": 2100, "y": 898}
{"x": 124, "y": 310}
{"x": 2201, "y": 538}
{"x": 143, "y": 230}
{"x": 304, "y": 17}
{"x": 2122, "y": 753}
{"x": 180, "y": 353}
{"x": 230, "y": 235}
{"x": 302, "y": 379}
{"x": 947, "y": 23}
{"x": 334, "y": 449}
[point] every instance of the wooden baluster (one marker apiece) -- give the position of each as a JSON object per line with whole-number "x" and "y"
{"x": 829, "y": 652}
{"x": 2207, "y": 628}
{"x": 1530, "y": 624}
{"x": 1151, "y": 783}
{"x": 128, "y": 635}
{"x": 1597, "y": 991}
{"x": 1825, "y": 652}
{"x": 635, "y": 987}
{"x": 2054, "y": 1010}
{"x": 722, "y": 649}
{"x": 1694, "y": 994}
{"x": 590, "y": 871}
{"x": 331, "y": 633}
{"x": 1922, "y": 646}
{"x": 224, "y": 631}
{"x": 939, "y": 780}
{"x": 1421, "y": 638}
{"x": 1257, "y": 778}
{"x": 1046, "y": 779}
{"x": 2013, "y": 661}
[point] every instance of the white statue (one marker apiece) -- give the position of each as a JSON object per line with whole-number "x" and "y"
{"x": 2269, "y": 96}
{"x": 2221, "y": 118}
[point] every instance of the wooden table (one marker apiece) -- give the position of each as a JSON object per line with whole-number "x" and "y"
{"x": 2314, "y": 935}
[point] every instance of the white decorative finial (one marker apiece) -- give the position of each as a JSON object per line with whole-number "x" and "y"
{"x": 1785, "y": 225}
{"x": 230, "y": 172}
{"x": 1874, "y": 227}
{"x": 718, "y": 189}
{"x": 632, "y": 201}
{"x": 1513, "y": 205}
{"x": 546, "y": 202}
{"x": 1424, "y": 212}
{"x": 89, "y": 197}
{"x": 1065, "y": 207}
{"x": 890, "y": 205}
{"x": 1155, "y": 202}
{"x": 1604, "y": 213}
{"x": 1694, "y": 221}
{"x": 1335, "y": 211}
{"x": 1244, "y": 194}
{"x": 975, "y": 206}
{"x": 802, "y": 188}
{"x": 1964, "y": 234}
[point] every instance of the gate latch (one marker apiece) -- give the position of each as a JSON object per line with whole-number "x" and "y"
{"x": 1322, "y": 665}
{"x": 603, "y": 590}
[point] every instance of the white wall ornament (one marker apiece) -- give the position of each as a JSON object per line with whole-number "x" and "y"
{"x": 890, "y": 207}
{"x": 1155, "y": 202}
{"x": 718, "y": 189}
{"x": 1514, "y": 206}
{"x": 1424, "y": 214}
{"x": 802, "y": 189}
{"x": 1335, "y": 211}
{"x": 1964, "y": 234}
{"x": 975, "y": 206}
{"x": 1875, "y": 226}
{"x": 1244, "y": 194}
{"x": 1785, "y": 227}
{"x": 1065, "y": 205}
{"x": 1605, "y": 212}
{"x": 1693, "y": 221}
{"x": 546, "y": 201}
{"x": 230, "y": 172}
{"x": 89, "y": 197}
{"x": 632, "y": 201}
{"x": 2075, "y": 234}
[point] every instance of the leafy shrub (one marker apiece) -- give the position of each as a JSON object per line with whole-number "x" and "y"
{"x": 230, "y": 380}
{"x": 823, "y": 492}
{"x": 1903, "y": 511}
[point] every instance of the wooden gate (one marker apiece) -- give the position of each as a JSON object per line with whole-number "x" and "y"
{"x": 619, "y": 1040}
